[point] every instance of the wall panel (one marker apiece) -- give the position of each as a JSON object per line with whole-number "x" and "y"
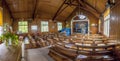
{"x": 115, "y": 23}
{"x": 6, "y": 15}
{"x": 37, "y": 21}
{"x": 91, "y": 17}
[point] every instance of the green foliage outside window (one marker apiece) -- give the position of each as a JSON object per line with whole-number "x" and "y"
{"x": 44, "y": 26}
{"x": 23, "y": 26}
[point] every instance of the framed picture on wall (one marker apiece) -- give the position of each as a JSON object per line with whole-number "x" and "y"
{"x": 34, "y": 28}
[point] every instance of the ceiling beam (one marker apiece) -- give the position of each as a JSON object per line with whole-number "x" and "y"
{"x": 82, "y": 9}
{"x": 116, "y": 3}
{"x": 91, "y": 6}
{"x": 69, "y": 3}
{"x": 72, "y": 4}
{"x": 80, "y": 3}
{"x": 35, "y": 9}
{"x": 89, "y": 12}
{"x": 71, "y": 13}
{"x": 58, "y": 10}
{"x": 83, "y": 3}
{"x": 62, "y": 10}
{"x": 4, "y": 3}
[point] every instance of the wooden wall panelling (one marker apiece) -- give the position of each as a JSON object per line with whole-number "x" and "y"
{"x": 15, "y": 25}
{"x": 37, "y": 21}
{"x": 6, "y": 15}
{"x": 115, "y": 22}
{"x": 115, "y": 26}
{"x": 101, "y": 19}
{"x": 0, "y": 3}
{"x": 52, "y": 26}
{"x": 92, "y": 19}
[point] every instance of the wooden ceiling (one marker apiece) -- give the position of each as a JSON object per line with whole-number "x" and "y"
{"x": 52, "y": 9}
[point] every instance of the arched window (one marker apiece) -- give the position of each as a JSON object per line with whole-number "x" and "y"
{"x": 80, "y": 24}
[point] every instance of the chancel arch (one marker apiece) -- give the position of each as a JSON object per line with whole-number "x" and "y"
{"x": 80, "y": 24}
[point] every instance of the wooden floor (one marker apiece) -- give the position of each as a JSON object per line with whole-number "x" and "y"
{"x": 13, "y": 54}
{"x": 8, "y": 53}
{"x": 38, "y": 54}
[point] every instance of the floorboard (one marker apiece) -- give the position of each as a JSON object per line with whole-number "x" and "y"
{"x": 39, "y": 54}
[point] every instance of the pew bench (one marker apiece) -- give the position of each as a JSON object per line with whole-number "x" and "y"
{"x": 58, "y": 57}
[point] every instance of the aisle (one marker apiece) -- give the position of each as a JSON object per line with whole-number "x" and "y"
{"x": 39, "y": 54}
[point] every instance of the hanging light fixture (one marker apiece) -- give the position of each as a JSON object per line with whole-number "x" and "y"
{"x": 110, "y": 3}
{"x": 81, "y": 15}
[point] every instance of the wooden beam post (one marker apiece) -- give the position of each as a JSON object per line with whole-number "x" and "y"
{"x": 7, "y": 6}
{"x": 91, "y": 6}
{"x": 62, "y": 10}
{"x": 82, "y": 9}
{"x": 35, "y": 10}
{"x": 89, "y": 11}
{"x": 80, "y": 3}
{"x": 71, "y": 13}
{"x": 83, "y": 3}
{"x": 72, "y": 4}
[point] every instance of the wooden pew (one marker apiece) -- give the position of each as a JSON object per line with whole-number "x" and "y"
{"x": 42, "y": 42}
{"x": 58, "y": 57}
{"x": 32, "y": 42}
{"x": 62, "y": 53}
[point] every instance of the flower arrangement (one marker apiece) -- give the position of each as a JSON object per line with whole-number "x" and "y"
{"x": 9, "y": 38}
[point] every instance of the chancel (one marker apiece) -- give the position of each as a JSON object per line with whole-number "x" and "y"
{"x": 59, "y": 30}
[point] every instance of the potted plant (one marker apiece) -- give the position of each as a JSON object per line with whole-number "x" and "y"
{"x": 9, "y": 39}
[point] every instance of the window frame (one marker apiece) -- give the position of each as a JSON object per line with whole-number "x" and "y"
{"x": 58, "y": 23}
{"x": 23, "y": 24}
{"x": 107, "y": 25}
{"x": 44, "y": 25}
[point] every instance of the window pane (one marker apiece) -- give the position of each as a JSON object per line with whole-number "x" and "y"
{"x": 44, "y": 26}
{"x": 23, "y": 26}
{"x": 107, "y": 25}
{"x": 59, "y": 24}
{"x": 25, "y": 23}
{"x": 19, "y": 23}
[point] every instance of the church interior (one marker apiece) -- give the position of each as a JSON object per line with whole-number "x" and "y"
{"x": 59, "y": 30}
